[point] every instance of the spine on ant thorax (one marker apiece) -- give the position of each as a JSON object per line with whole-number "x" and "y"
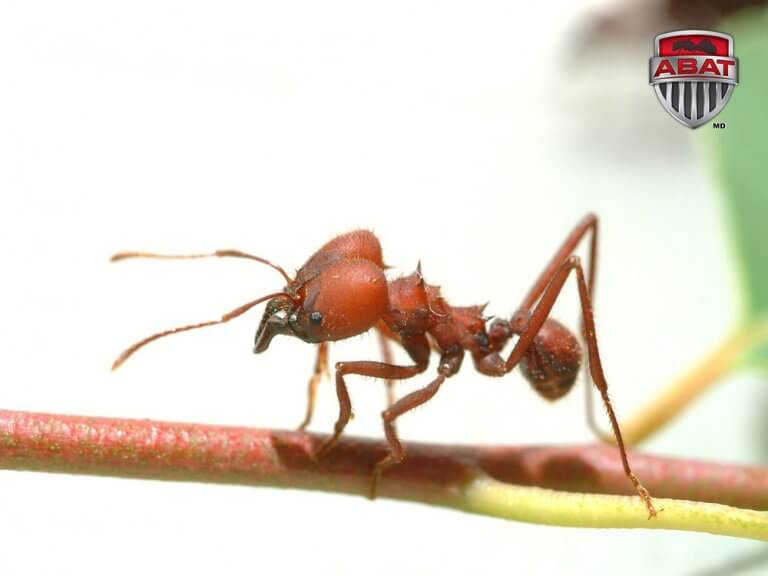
{"x": 418, "y": 308}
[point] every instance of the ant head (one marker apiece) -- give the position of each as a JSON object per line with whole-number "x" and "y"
{"x": 344, "y": 299}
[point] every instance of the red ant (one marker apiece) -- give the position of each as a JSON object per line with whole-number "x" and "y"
{"x": 341, "y": 291}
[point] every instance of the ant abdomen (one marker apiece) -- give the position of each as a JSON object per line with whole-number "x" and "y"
{"x": 552, "y": 362}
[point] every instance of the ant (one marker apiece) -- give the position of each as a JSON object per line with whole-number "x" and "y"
{"x": 341, "y": 291}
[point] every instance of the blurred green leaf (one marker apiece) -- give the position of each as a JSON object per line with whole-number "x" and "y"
{"x": 740, "y": 154}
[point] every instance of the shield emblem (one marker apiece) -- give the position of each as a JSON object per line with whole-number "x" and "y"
{"x": 693, "y": 73}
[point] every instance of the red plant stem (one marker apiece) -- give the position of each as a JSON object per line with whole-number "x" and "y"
{"x": 204, "y": 453}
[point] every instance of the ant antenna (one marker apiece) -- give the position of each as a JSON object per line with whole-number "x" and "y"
{"x": 240, "y": 310}
{"x": 217, "y": 254}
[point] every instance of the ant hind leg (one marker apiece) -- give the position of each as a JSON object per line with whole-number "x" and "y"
{"x": 537, "y": 318}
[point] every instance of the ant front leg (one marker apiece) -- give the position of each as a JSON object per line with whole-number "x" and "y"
{"x": 528, "y": 327}
{"x": 388, "y": 358}
{"x": 416, "y": 346}
{"x": 321, "y": 368}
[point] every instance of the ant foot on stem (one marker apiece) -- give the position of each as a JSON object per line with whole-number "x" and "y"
{"x": 325, "y": 447}
{"x": 378, "y": 470}
{"x": 645, "y": 496}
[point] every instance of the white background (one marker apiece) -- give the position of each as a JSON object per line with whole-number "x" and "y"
{"x": 462, "y": 136}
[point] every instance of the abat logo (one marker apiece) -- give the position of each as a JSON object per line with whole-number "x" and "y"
{"x": 693, "y": 73}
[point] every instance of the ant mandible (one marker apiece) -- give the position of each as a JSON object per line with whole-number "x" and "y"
{"x": 341, "y": 291}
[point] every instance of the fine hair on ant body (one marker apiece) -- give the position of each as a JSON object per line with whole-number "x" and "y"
{"x": 342, "y": 291}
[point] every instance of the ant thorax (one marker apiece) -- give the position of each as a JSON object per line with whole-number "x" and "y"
{"x": 416, "y": 307}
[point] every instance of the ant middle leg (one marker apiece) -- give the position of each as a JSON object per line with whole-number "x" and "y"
{"x": 529, "y": 325}
{"x": 450, "y": 363}
{"x": 405, "y": 404}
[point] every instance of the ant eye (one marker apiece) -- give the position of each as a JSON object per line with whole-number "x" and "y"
{"x": 316, "y": 318}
